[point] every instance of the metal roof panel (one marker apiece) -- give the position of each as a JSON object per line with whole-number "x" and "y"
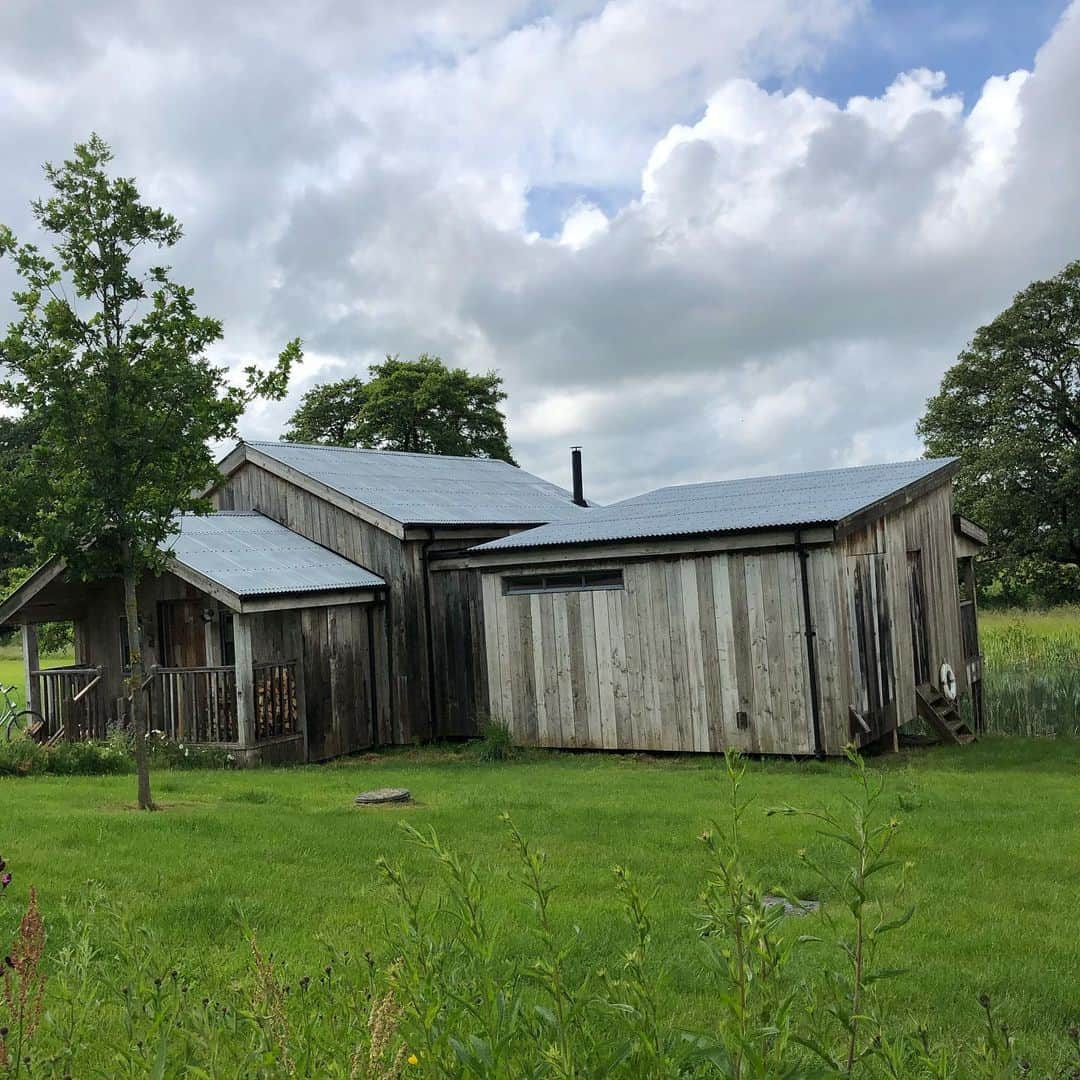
{"x": 251, "y": 555}
{"x": 430, "y": 489}
{"x": 727, "y": 506}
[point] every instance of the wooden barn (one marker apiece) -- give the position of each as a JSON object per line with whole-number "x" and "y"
{"x": 301, "y": 621}
{"x": 341, "y": 599}
{"x": 781, "y": 615}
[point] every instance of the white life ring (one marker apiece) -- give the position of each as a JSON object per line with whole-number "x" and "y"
{"x": 948, "y": 681}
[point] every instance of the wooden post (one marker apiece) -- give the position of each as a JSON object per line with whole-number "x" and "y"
{"x": 296, "y": 641}
{"x": 245, "y": 681}
{"x": 31, "y": 660}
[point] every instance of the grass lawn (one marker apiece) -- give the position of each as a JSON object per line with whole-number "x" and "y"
{"x": 993, "y": 831}
{"x": 11, "y": 668}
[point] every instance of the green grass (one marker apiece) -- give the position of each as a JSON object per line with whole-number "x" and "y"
{"x": 11, "y": 668}
{"x": 1031, "y": 676}
{"x": 991, "y": 831}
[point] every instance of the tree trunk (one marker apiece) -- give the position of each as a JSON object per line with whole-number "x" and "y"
{"x": 135, "y": 687}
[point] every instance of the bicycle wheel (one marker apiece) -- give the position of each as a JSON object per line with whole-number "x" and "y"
{"x": 26, "y": 721}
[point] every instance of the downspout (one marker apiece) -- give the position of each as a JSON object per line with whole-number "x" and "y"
{"x": 433, "y": 711}
{"x": 811, "y": 652}
{"x": 373, "y": 695}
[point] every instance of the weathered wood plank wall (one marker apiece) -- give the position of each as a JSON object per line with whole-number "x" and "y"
{"x": 925, "y": 526}
{"x": 704, "y": 652}
{"x": 459, "y": 660}
{"x": 402, "y": 694}
{"x": 669, "y": 662}
{"x": 332, "y": 645}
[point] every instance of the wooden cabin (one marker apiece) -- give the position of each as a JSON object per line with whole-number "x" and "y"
{"x": 781, "y": 615}
{"x": 340, "y": 599}
{"x": 240, "y": 635}
{"x": 301, "y": 621}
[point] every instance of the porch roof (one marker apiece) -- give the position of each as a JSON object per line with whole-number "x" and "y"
{"x": 251, "y": 555}
{"x": 242, "y": 558}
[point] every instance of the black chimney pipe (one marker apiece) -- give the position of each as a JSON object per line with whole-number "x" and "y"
{"x": 575, "y": 469}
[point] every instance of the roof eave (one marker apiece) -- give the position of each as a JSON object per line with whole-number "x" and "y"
{"x": 20, "y": 597}
{"x": 898, "y": 499}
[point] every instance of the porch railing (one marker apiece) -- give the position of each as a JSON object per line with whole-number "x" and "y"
{"x": 196, "y": 705}
{"x": 276, "y": 709}
{"x": 71, "y": 702}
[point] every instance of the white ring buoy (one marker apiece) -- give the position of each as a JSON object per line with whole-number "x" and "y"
{"x": 948, "y": 681}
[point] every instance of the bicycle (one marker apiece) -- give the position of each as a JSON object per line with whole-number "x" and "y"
{"x": 15, "y": 721}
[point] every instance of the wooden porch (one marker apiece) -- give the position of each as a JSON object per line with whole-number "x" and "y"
{"x": 197, "y": 706}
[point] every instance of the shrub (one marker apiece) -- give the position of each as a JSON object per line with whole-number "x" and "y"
{"x": 22, "y": 756}
{"x": 86, "y": 759}
{"x": 166, "y": 754}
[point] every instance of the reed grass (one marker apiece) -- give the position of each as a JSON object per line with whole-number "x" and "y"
{"x": 1031, "y": 671}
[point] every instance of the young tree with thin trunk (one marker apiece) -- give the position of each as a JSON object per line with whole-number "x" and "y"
{"x": 108, "y": 356}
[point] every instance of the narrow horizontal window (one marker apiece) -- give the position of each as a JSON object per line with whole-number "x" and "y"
{"x": 575, "y": 582}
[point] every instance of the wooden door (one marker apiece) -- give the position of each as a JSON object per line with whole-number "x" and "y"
{"x": 870, "y": 629}
{"x": 182, "y": 633}
{"x": 920, "y": 644}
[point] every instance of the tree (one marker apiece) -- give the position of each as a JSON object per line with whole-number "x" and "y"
{"x": 107, "y": 359}
{"x": 1010, "y": 409}
{"x": 17, "y": 437}
{"x": 329, "y": 414}
{"x": 419, "y": 405}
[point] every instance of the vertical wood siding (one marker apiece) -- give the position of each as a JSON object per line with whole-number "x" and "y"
{"x": 666, "y": 663}
{"x": 402, "y": 697}
{"x": 672, "y": 660}
{"x": 459, "y": 656}
{"x": 924, "y": 526}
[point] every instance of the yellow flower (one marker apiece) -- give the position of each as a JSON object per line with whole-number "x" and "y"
{"x": 412, "y": 1059}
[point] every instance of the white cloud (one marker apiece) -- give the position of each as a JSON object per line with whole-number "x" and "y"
{"x": 782, "y": 288}
{"x": 583, "y": 223}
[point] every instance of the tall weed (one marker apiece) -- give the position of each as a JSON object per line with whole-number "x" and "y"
{"x": 1031, "y": 676}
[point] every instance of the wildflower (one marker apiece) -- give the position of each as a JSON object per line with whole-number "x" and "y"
{"x": 412, "y": 1059}
{"x": 5, "y": 880}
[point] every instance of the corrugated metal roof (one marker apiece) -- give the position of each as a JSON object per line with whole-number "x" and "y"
{"x": 430, "y": 489}
{"x": 797, "y": 499}
{"x": 250, "y": 555}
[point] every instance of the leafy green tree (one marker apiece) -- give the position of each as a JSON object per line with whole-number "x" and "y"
{"x": 329, "y": 414}
{"x": 107, "y": 358}
{"x": 17, "y": 437}
{"x": 419, "y": 405}
{"x": 1010, "y": 409}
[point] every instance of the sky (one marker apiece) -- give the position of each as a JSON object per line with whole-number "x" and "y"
{"x": 702, "y": 239}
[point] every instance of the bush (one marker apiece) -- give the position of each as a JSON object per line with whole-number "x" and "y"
{"x": 23, "y": 757}
{"x": 86, "y": 759}
{"x": 166, "y": 754}
{"x": 496, "y": 742}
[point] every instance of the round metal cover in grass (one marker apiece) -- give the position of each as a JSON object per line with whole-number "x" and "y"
{"x": 383, "y": 795}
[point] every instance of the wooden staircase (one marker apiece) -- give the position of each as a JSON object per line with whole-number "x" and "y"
{"x": 943, "y": 716}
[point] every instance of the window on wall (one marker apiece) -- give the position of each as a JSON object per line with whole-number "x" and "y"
{"x": 562, "y": 582}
